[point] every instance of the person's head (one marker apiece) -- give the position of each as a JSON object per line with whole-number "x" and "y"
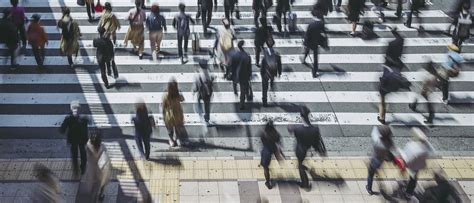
{"x": 316, "y": 11}
{"x": 181, "y": 7}
{"x": 66, "y": 11}
{"x": 173, "y": 91}
{"x": 35, "y": 18}
{"x": 466, "y": 6}
{"x": 141, "y": 109}
{"x": 241, "y": 44}
{"x": 75, "y": 108}
{"x": 304, "y": 113}
{"x": 42, "y": 173}
{"x": 6, "y": 13}
{"x": 269, "y": 126}
{"x": 385, "y": 134}
{"x": 155, "y": 8}
{"x": 101, "y": 31}
{"x": 96, "y": 138}
{"x": 108, "y": 6}
{"x": 14, "y": 2}
{"x": 138, "y": 3}
{"x": 226, "y": 23}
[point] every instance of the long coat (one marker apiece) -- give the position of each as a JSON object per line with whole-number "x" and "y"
{"x": 110, "y": 22}
{"x": 173, "y": 111}
{"x": 69, "y": 46}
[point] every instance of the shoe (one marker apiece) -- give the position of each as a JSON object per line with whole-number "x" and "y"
{"x": 178, "y": 142}
{"x": 140, "y": 56}
{"x": 445, "y": 101}
{"x": 208, "y": 124}
{"x": 268, "y": 184}
{"x": 242, "y": 107}
{"x": 154, "y": 56}
{"x": 381, "y": 120}
{"x": 116, "y": 76}
{"x": 258, "y": 65}
{"x": 171, "y": 142}
{"x": 369, "y": 190}
{"x": 428, "y": 121}
{"x": 338, "y": 9}
{"x": 412, "y": 107}
{"x": 406, "y": 25}
{"x": 315, "y": 75}
{"x": 265, "y": 104}
{"x": 101, "y": 197}
{"x": 352, "y": 34}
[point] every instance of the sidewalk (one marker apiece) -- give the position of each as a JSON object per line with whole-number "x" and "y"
{"x": 230, "y": 180}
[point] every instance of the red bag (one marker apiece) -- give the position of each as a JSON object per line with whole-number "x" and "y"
{"x": 98, "y": 8}
{"x": 400, "y": 163}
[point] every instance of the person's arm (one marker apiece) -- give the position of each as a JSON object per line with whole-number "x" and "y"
{"x": 191, "y": 19}
{"x": 64, "y": 125}
{"x": 279, "y": 65}
{"x": 163, "y": 22}
{"x": 174, "y": 22}
{"x": 147, "y": 22}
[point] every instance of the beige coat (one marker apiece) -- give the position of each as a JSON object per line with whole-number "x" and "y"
{"x": 110, "y": 22}
{"x": 173, "y": 111}
{"x": 97, "y": 175}
{"x": 69, "y": 46}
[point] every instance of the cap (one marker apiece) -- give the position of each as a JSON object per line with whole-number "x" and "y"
{"x": 36, "y": 17}
{"x": 453, "y": 47}
{"x": 418, "y": 134}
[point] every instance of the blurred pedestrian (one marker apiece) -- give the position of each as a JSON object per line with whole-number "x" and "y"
{"x": 414, "y": 154}
{"x": 229, "y": 6}
{"x": 109, "y": 21}
{"x": 9, "y": 35}
{"x": 356, "y": 8}
{"x": 155, "y": 23}
{"x": 19, "y": 19}
{"x": 262, "y": 36}
{"x": 260, "y": 8}
{"x": 450, "y": 68}
{"x": 224, "y": 43}
{"x": 75, "y": 127}
{"x": 282, "y": 9}
{"x": 37, "y": 37}
{"x": 325, "y": 6}
{"x": 314, "y": 37}
{"x": 394, "y": 50}
{"x": 307, "y": 136}
{"x": 135, "y": 33}
{"x": 142, "y": 4}
{"x": 442, "y": 192}
{"x": 173, "y": 113}
{"x": 271, "y": 67}
{"x": 241, "y": 65}
{"x": 181, "y": 24}
{"x": 70, "y": 34}
{"x": 90, "y": 9}
{"x": 383, "y": 150}
{"x": 430, "y": 82}
{"x": 48, "y": 189}
{"x": 399, "y": 10}
{"x": 415, "y": 6}
{"x": 271, "y": 141}
{"x": 105, "y": 56}
{"x": 337, "y": 5}
{"x": 144, "y": 124}
{"x": 205, "y": 7}
{"x": 203, "y": 85}
{"x": 463, "y": 26}
{"x": 98, "y": 173}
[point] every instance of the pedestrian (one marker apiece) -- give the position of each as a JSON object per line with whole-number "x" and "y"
{"x": 282, "y": 9}
{"x": 383, "y": 150}
{"x": 271, "y": 141}
{"x": 450, "y": 68}
{"x": 48, "y": 190}
{"x": 262, "y": 35}
{"x": 229, "y": 6}
{"x": 414, "y": 154}
{"x": 325, "y": 6}
{"x": 224, "y": 44}
{"x": 155, "y": 23}
{"x": 90, "y": 9}
{"x": 398, "y": 13}
{"x": 19, "y": 19}
{"x": 314, "y": 37}
{"x": 181, "y": 24}
{"x": 203, "y": 86}
{"x": 462, "y": 29}
{"x": 394, "y": 50}
{"x": 443, "y": 191}
{"x": 430, "y": 82}
{"x": 173, "y": 113}
{"x": 241, "y": 65}
{"x": 142, "y": 4}
{"x": 307, "y": 136}
{"x": 105, "y": 56}
{"x": 109, "y": 21}
{"x": 37, "y": 37}
{"x": 415, "y": 6}
{"x": 75, "y": 127}
{"x": 356, "y": 8}
{"x": 135, "y": 33}
{"x": 205, "y": 7}
{"x": 379, "y": 5}
{"x": 9, "y": 35}
{"x": 271, "y": 67}
{"x": 144, "y": 124}
{"x": 260, "y": 8}
{"x": 70, "y": 34}
{"x": 337, "y": 5}
{"x": 98, "y": 173}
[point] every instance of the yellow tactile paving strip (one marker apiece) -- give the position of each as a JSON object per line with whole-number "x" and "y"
{"x": 163, "y": 177}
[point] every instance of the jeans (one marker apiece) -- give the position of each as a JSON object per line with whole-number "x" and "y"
{"x": 143, "y": 140}
{"x": 315, "y": 59}
{"x": 39, "y": 55}
{"x": 207, "y": 106}
{"x": 90, "y": 10}
{"x": 206, "y": 18}
{"x": 74, "y": 150}
{"x": 373, "y": 167}
{"x": 180, "y": 44}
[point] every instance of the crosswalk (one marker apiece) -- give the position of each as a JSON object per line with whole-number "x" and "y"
{"x": 343, "y": 99}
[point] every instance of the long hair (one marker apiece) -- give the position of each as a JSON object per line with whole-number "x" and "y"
{"x": 142, "y": 111}
{"x": 96, "y": 138}
{"x": 173, "y": 91}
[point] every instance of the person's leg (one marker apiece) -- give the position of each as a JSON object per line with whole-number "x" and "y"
{"x": 114, "y": 68}
{"x": 42, "y": 55}
{"x": 445, "y": 90}
{"x": 256, "y": 14}
{"x": 354, "y": 26}
{"x": 204, "y": 20}
{"x": 373, "y": 167}
{"x": 82, "y": 150}
{"x": 146, "y": 143}
{"x": 139, "y": 141}
{"x": 315, "y": 62}
{"x": 186, "y": 37}
{"x": 431, "y": 112}
{"x": 209, "y": 17}
{"x": 258, "y": 50}
{"x": 382, "y": 107}
{"x": 36, "y": 53}
{"x": 152, "y": 35}
{"x": 227, "y": 12}
{"x": 21, "y": 29}
{"x": 114, "y": 37}
{"x": 409, "y": 16}
{"x": 301, "y": 155}
{"x": 264, "y": 89}
{"x": 89, "y": 9}
{"x": 398, "y": 13}
{"x": 172, "y": 141}
{"x": 69, "y": 60}
{"x": 412, "y": 184}
{"x": 103, "y": 73}
{"x": 180, "y": 46}
{"x": 207, "y": 108}
{"x": 108, "y": 68}
{"x": 278, "y": 23}
{"x": 75, "y": 164}
{"x": 159, "y": 38}
{"x": 243, "y": 92}
{"x": 305, "y": 54}
{"x": 266, "y": 173}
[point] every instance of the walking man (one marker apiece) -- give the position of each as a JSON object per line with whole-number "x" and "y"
{"x": 450, "y": 68}
{"x": 229, "y": 6}
{"x": 314, "y": 37}
{"x": 10, "y": 33}
{"x": 271, "y": 67}
{"x": 105, "y": 56}
{"x": 415, "y": 6}
{"x": 260, "y": 8}
{"x": 19, "y": 19}
{"x": 430, "y": 82}
{"x": 206, "y": 13}
{"x": 181, "y": 24}
{"x": 37, "y": 38}
{"x": 155, "y": 23}
{"x": 75, "y": 127}
{"x": 271, "y": 146}
{"x": 144, "y": 124}
{"x": 262, "y": 36}
{"x": 241, "y": 66}
{"x": 203, "y": 85}
{"x": 282, "y": 9}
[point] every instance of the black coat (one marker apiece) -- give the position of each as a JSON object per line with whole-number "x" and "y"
{"x": 261, "y": 36}
{"x": 230, "y": 3}
{"x": 8, "y": 32}
{"x": 105, "y": 49}
{"x": 264, "y": 70}
{"x": 314, "y": 34}
{"x": 283, "y": 5}
{"x": 241, "y": 66}
{"x": 205, "y": 4}
{"x": 75, "y": 129}
{"x": 395, "y": 48}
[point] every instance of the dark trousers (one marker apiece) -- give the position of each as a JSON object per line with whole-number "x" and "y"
{"x": 265, "y": 82}
{"x": 12, "y": 52}
{"x": 257, "y": 14}
{"x": 206, "y": 18}
{"x": 399, "y": 8}
{"x": 281, "y": 14}
{"x": 373, "y": 167}
{"x": 182, "y": 38}
{"x": 69, "y": 59}
{"x": 207, "y": 106}
{"x": 413, "y": 10}
{"x": 444, "y": 86}
{"x": 429, "y": 105}
{"x": 143, "y": 140}
{"x": 74, "y": 149}
{"x": 228, "y": 10}
{"x": 39, "y": 55}
{"x": 245, "y": 91}
{"x": 90, "y": 10}
{"x": 258, "y": 51}
{"x": 315, "y": 59}
{"x": 412, "y": 184}
{"x": 106, "y": 69}
{"x": 301, "y": 155}
{"x": 22, "y": 33}
{"x": 338, "y": 4}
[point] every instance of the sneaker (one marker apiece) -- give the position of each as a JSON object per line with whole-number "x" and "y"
{"x": 369, "y": 190}
{"x": 445, "y": 101}
{"x": 171, "y": 142}
{"x": 153, "y": 55}
{"x": 352, "y": 34}
{"x": 269, "y": 185}
{"x": 381, "y": 120}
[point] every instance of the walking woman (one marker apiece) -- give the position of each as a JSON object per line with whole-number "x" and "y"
{"x": 70, "y": 34}
{"x": 143, "y": 128}
{"x": 173, "y": 112}
{"x": 90, "y": 9}
{"x": 355, "y": 9}
{"x": 37, "y": 38}
{"x": 135, "y": 33}
{"x": 109, "y": 22}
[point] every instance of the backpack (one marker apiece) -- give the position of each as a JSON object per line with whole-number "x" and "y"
{"x": 225, "y": 40}
{"x": 392, "y": 80}
{"x": 464, "y": 24}
{"x": 271, "y": 59}
{"x": 66, "y": 31}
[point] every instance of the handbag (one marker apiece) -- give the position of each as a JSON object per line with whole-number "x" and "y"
{"x": 98, "y": 7}
{"x": 81, "y": 2}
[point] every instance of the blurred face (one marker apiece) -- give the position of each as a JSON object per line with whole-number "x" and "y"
{"x": 75, "y": 111}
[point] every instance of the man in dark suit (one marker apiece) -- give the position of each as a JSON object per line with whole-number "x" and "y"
{"x": 206, "y": 13}
{"x": 241, "y": 66}
{"x": 229, "y": 6}
{"x": 75, "y": 127}
{"x": 262, "y": 35}
{"x": 314, "y": 38}
{"x": 105, "y": 56}
{"x": 395, "y": 50}
{"x": 267, "y": 72}
{"x": 260, "y": 7}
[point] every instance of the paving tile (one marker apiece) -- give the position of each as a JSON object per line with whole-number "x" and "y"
{"x": 265, "y": 191}
{"x": 188, "y": 188}
{"x": 230, "y": 174}
{"x": 452, "y": 173}
{"x": 208, "y": 188}
{"x": 346, "y": 173}
{"x": 250, "y": 198}
{"x": 327, "y": 188}
{"x": 22, "y": 200}
{"x": 311, "y": 198}
{"x": 7, "y": 199}
{"x": 110, "y": 199}
{"x": 201, "y": 174}
{"x": 245, "y": 173}
{"x": 8, "y": 189}
{"x": 314, "y": 190}
{"x": 466, "y": 172}
{"x": 216, "y": 174}
{"x": 467, "y": 186}
{"x": 229, "y": 164}
{"x": 111, "y": 189}
{"x": 343, "y": 164}
{"x": 188, "y": 199}
{"x": 228, "y": 188}
{"x": 214, "y": 164}
{"x": 349, "y": 188}
{"x": 271, "y": 199}
{"x": 360, "y": 173}
{"x": 353, "y": 198}
{"x": 229, "y": 198}
{"x": 209, "y": 199}
{"x": 248, "y": 191}
{"x": 200, "y": 164}
{"x": 333, "y": 198}
{"x": 243, "y": 164}
{"x": 445, "y": 163}
{"x": 186, "y": 174}
{"x": 358, "y": 163}
{"x": 460, "y": 163}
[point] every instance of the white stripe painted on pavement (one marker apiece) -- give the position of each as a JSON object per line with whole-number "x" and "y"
{"x": 329, "y": 118}
{"x": 291, "y": 43}
{"x": 156, "y": 78}
{"x": 224, "y": 97}
{"x": 286, "y": 59}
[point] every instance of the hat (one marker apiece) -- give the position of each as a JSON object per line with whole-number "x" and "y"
{"x": 453, "y": 47}
{"x": 36, "y": 17}
{"x": 418, "y": 134}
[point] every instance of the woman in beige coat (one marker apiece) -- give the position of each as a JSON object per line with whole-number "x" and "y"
{"x": 136, "y": 31}
{"x": 173, "y": 112}
{"x": 109, "y": 21}
{"x": 70, "y": 34}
